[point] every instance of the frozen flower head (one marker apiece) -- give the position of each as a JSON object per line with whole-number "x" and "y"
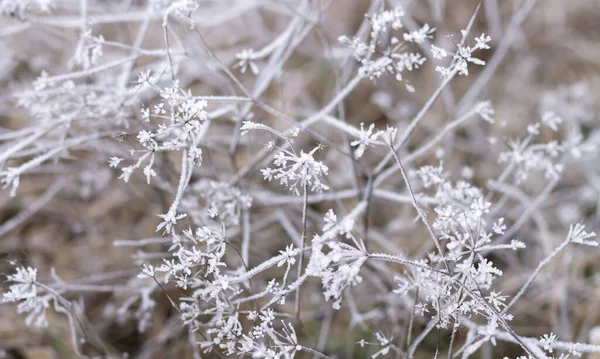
{"x": 366, "y": 139}
{"x": 461, "y": 57}
{"x": 246, "y": 60}
{"x": 577, "y": 234}
{"x": 294, "y": 171}
{"x": 24, "y": 290}
{"x": 384, "y": 20}
{"x": 24, "y": 285}
{"x": 389, "y": 135}
{"x": 337, "y": 263}
{"x": 384, "y": 53}
{"x": 530, "y": 158}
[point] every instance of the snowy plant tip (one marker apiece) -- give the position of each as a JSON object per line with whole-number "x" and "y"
{"x": 577, "y": 234}
{"x": 461, "y": 57}
{"x": 367, "y": 138}
{"x": 24, "y": 290}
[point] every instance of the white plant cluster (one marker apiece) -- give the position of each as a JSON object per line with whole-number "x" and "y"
{"x": 382, "y": 54}
{"x": 336, "y": 225}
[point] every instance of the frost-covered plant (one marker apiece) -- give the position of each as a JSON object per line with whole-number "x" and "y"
{"x": 461, "y": 58}
{"x": 293, "y": 171}
{"x": 382, "y": 53}
{"x": 143, "y": 138}
{"x": 24, "y": 290}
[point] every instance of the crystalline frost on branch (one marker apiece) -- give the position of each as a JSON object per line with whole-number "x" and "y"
{"x": 295, "y": 171}
{"x": 381, "y": 55}
{"x": 462, "y": 56}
